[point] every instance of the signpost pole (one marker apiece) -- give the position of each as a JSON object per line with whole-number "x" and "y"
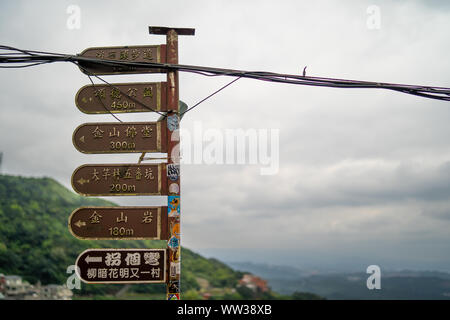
{"x": 173, "y": 156}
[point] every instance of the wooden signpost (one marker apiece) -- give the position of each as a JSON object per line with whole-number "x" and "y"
{"x": 122, "y": 266}
{"x": 109, "y": 56}
{"x": 122, "y": 98}
{"x": 113, "y": 137}
{"x": 120, "y": 179}
{"x": 118, "y": 223}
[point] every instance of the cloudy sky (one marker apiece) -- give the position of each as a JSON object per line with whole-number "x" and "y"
{"x": 364, "y": 175}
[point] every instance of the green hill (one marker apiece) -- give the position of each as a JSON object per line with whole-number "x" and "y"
{"x": 36, "y": 244}
{"x": 35, "y": 241}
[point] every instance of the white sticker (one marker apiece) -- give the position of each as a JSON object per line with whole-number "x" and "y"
{"x": 174, "y": 269}
{"x": 174, "y": 188}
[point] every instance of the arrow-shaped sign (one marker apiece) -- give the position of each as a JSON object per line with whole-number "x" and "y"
{"x": 152, "y": 53}
{"x": 93, "y": 259}
{"x": 115, "y": 223}
{"x": 121, "y": 179}
{"x": 125, "y": 137}
{"x": 152, "y": 269}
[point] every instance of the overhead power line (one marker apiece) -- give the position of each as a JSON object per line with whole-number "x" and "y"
{"x": 18, "y": 58}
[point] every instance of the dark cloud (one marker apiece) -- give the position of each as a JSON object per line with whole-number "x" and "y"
{"x": 357, "y": 167}
{"x": 439, "y": 212}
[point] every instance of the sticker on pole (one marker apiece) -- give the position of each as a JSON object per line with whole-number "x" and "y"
{"x": 174, "y": 206}
{"x": 173, "y": 171}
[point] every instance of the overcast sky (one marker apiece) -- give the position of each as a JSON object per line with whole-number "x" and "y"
{"x": 364, "y": 175}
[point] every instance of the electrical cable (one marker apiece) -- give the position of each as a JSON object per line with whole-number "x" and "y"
{"x": 204, "y": 99}
{"x": 118, "y": 89}
{"x": 17, "y": 58}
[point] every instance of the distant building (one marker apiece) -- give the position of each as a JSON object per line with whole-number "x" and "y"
{"x": 2, "y": 285}
{"x": 254, "y": 283}
{"x": 206, "y": 295}
{"x": 13, "y": 288}
{"x": 55, "y": 292}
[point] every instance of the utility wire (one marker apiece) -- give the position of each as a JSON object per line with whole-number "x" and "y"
{"x": 118, "y": 89}
{"x": 18, "y": 58}
{"x": 101, "y": 101}
{"x": 204, "y": 99}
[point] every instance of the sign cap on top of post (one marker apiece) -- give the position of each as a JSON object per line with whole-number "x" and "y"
{"x": 164, "y": 30}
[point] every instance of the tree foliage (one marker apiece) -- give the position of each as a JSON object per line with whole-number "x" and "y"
{"x": 36, "y": 244}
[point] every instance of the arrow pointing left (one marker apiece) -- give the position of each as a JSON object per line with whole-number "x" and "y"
{"x": 93, "y": 259}
{"x": 80, "y": 224}
{"x": 82, "y": 181}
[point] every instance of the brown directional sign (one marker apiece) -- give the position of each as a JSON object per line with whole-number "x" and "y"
{"x": 122, "y": 266}
{"x": 131, "y": 54}
{"x": 116, "y": 223}
{"x": 122, "y": 97}
{"x": 120, "y": 179}
{"x": 113, "y": 137}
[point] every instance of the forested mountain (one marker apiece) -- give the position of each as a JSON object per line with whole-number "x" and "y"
{"x": 36, "y": 244}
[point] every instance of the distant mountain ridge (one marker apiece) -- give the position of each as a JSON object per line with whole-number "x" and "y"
{"x": 405, "y": 284}
{"x": 269, "y": 271}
